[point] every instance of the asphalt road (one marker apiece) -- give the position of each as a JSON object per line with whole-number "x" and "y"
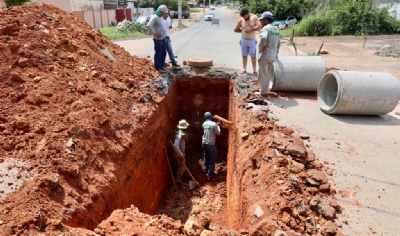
{"x": 365, "y": 164}
{"x": 201, "y": 40}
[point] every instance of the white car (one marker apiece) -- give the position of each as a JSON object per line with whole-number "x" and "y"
{"x": 212, "y": 8}
{"x": 209, "y": 16}
{"x": 285, "y": 22}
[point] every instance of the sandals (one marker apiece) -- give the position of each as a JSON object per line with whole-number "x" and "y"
{"x": 255, "y": 72}
{"x": 243, "y": 72}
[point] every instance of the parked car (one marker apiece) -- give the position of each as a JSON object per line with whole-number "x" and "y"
{"x": 143, "y": 20}
{"x": 284, "y": 22}
{"x": 202, "y": 5}
{"x": 209, "y": 16}
{"x": 185, "y": 14}
{"x": 212, "y": 8}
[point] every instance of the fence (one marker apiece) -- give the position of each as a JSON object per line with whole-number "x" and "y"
{"x": 97, "y": 19}
{"x": 104, "y": 18}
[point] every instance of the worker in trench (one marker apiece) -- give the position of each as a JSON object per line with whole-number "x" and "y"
{"x": 211, "y": 129}
{"x": 180, "y": 139}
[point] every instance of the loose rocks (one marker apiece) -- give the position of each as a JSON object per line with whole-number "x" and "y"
{"x": 316, "y": 177}
{"x": 323, "y": 207}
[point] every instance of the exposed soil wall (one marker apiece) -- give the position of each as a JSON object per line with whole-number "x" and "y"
{"x": 83, "y": 129}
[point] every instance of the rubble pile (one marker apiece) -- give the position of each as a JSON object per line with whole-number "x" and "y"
{"x": 388, "y": 50}
{"x": 68, "y": 97}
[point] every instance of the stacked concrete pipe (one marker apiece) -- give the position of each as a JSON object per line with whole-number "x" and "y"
{"x": 358, "y": 93}
{"x": 297, "y": 74}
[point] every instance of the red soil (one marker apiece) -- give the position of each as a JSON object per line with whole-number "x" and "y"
{"x": 83, "y": 136}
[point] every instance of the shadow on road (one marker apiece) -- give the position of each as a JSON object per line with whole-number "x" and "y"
{"x": 384, "y": 120}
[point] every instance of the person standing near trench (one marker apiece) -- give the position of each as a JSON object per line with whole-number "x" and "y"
{"x": 180, "y": 138}
{"x": 248, "y": 26}
{"x": 268, "y": 51}
{"x": 156, "y": 27}
{"x": 211, "y": 129}
{"x": 168, "y": 26}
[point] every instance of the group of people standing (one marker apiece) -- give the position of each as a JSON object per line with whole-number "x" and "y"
{"x": 268, "y": 48}
{"x": 159, "y": 26}
{"x": 210, "y": 131}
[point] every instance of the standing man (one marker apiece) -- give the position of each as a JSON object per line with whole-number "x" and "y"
{"x": 156, "y": 27}
{"x": 248, "y": 25}
{"x": 168, "y": 26}
{"x": 268, "y": 51}
{"x": 180, "y": 145}
{"x": 211, "y": 129}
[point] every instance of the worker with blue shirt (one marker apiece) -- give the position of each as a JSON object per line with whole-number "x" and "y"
{"x": 211, "y": 129}
{"x": 268, "y": 51}
{"x": 156, "y": 27}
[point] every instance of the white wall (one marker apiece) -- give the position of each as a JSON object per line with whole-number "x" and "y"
{"x": 75, "y": 5}
{"x": 86, "y": 5}
{"x": 63, "y": 4}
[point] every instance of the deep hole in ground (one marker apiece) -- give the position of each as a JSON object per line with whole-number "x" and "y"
{"x": 259, "y": 165}
{"x": 144, "y": 180}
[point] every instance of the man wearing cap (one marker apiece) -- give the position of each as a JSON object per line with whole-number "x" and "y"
{"x": 156, "y": 27}
{"x": 248, "y": 25}
{"x": 268, "y": 51}
{"x": 211, "y": 129}
{"x": 168, "y": 26}
{"x": 180, "y": 145}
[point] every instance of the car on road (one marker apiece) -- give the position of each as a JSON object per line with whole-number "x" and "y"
{"x": 143, "y": 20}
{"x": 212, "y": 8}
{"x": 185, "y": 14}
{"x": 285, "y": 22}
{"x": 209, "y": 16}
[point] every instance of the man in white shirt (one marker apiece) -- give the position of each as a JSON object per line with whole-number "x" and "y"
{"x": 211, "y": 130}
{"x": 168, "y": 26}
{"x": 156, "y": 27}
{"x": 248, "y": 25}
{"x": 268, "y": 51}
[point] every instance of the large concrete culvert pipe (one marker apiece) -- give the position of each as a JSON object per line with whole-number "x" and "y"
{"x": 358, "y": 93}
{"x": 300, "y": 74}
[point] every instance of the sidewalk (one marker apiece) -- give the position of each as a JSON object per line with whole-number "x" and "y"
{"x": 195, "y": 17}
{"x": 347, "y": 53}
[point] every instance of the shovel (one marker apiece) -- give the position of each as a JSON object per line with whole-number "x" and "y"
{"x": 192, "y": 184}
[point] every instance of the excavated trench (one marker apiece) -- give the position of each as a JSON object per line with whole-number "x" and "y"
{"x": 143, "y": 180}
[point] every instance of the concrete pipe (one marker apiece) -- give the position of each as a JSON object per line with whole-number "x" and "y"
{"x": 358, "y": 93}
{"x": 297, "y": 73}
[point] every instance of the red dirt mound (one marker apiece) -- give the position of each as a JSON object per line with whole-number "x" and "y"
{"x": 70, "y": 103}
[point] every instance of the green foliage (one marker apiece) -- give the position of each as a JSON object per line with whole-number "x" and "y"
{"x": 281, "y": 7}
{"x": 344, "y": 17}
{"x": 127, "y": 26}
{"x": 10, "y": 3}
{"x": 171, "y": 4}
{"x": 112, "y": 33}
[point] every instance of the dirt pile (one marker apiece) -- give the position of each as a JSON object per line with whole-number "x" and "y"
{"x": 84, "y": 132}
{"x": 70, "y": 104}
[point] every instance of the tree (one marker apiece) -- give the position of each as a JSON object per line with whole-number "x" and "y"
{"x": 282, "y": 7}
{"x": 10, "y": 3}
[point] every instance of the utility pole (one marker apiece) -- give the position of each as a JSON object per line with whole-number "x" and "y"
{"x": 179, "y": 12}
{"x": 204, "y": 6}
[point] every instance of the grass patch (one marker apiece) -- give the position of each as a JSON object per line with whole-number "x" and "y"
{"x": 286, "y": 32}
{"x": 181, "y": 26}
{"x": 196, "y": 10}
{"x": 111, "y": 33}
